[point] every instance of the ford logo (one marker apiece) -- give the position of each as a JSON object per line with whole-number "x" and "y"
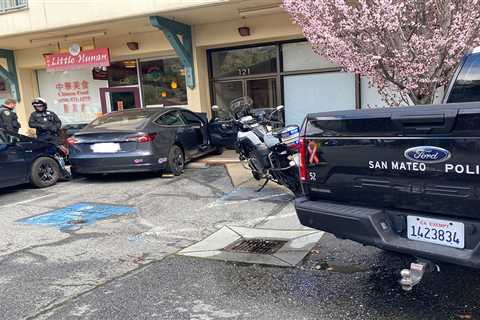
{"x": 427, "y": 154}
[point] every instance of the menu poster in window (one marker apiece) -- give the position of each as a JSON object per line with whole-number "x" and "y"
{"x": 73, "y": 95}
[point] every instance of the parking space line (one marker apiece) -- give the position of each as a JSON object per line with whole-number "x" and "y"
{"x": 221, "y": 202}
{"x": 26, "y": 201}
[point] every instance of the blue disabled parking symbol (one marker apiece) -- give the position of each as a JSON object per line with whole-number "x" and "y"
{"x": 75, "y": 216}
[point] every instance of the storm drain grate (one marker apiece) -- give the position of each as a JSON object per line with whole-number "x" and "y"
{"x": 258, "y": 246}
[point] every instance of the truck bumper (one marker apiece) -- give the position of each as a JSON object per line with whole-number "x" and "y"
{"x": 386, "y": 229}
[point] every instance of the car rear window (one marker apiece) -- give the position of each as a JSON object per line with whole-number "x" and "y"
{"x": 131, "y": 120}
{"x": 467, "y": 86}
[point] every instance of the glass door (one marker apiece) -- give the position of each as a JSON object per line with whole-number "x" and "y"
{"x": 119, "y": 99}
{"x": 246, "y": 71}
{"x": 262, "y": 91}
{"x": 225, "y": 93}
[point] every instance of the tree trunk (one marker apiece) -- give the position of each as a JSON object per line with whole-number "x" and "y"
{"x": 421, "y": 100}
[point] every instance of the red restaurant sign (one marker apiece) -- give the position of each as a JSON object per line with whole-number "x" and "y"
{"x": 84, "y": 60}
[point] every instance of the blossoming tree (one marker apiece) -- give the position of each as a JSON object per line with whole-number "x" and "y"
{"x": 407, "y": 48}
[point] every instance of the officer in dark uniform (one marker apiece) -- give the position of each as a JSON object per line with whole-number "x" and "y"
{"x": 46, "y": 123}
{"x": 8, "y": 117}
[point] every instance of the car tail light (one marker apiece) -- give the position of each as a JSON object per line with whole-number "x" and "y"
{"x": 144, "y": 138}
{"x": 64, "y": 150}
{"x": 303, "y": 160}
{"x": 71, "y": 141}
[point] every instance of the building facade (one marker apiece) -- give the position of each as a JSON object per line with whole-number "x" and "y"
{"x": 193, "y": 53}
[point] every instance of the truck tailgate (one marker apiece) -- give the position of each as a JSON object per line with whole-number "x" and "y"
{"x": 424, "y": 158}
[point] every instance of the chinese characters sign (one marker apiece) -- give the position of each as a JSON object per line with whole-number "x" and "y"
{"x": 73, "y": 95}
{"x": 84, "y": 60}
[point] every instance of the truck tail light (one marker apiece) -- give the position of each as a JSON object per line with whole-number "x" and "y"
{"x": 303, "y": 160}
{"x": 71, "y": 141}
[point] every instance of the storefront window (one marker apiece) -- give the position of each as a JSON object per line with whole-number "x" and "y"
{"x": 320, "y": 92}
{"x": 370, "y": 96}
{"x": 244, "y": 62}
{"x": 299, "y": 56}
{"x": 5, "y": 90}
{"x": 123, "y": 73}
{"x": 73, "y": 95}
{"x": 163, "y": 82}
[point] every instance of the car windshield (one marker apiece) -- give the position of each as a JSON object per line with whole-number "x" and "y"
{"x": 121, "y": 120}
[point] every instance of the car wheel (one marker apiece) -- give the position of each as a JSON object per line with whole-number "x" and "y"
{"x": 45, "y": 172}
{"x": 176, "y": 160}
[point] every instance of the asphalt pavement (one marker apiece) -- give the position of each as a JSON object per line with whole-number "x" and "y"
{"x": 125, "y": 267}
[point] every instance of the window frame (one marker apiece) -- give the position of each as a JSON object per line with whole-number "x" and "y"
{"x": 141, "y": 77}
{"x": 270, "y": 44}
{"x": 14, "y": 8}
{"x": 279, "y": 75}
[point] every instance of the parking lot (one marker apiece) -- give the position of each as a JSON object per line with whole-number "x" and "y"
{"x": 124, "y": 265}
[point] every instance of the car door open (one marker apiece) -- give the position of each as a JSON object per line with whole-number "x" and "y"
{"x": 198, "y": 128}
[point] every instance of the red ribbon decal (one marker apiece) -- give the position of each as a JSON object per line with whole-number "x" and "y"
{"x": 312, "y": 150}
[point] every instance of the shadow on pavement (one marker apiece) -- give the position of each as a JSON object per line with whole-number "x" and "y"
{"x": 371, "y": 276}
{"x": 124, "y": 177}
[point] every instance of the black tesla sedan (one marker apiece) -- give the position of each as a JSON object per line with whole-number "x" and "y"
{"x": 155, "y": 139}
{"x": 27, "y": 160}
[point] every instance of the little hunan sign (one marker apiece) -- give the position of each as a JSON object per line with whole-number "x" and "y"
{"x": 84, "y": 60}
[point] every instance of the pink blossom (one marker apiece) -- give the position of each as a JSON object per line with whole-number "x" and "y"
{"x": 407, "y": 48}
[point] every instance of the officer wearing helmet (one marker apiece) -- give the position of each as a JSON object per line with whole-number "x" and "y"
{"x": 46, "y": 123}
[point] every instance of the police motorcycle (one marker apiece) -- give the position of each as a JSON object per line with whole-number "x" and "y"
{"x": 269, "y": 153}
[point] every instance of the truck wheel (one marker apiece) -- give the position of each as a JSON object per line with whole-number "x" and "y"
{"x": 45, "y": 172}
{"x": 176, "y": 160}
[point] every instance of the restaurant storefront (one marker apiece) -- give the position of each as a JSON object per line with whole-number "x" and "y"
{"x": 273, "y": 65}
{"x": 79, "y": 96}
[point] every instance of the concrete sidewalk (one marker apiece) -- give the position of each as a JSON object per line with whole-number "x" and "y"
{"x": 228, "y": 156}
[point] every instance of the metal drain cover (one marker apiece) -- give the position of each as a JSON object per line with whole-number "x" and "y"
{"x": 258, "y": 246}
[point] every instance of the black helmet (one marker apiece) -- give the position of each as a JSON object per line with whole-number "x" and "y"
{"x": 39, "y": 104}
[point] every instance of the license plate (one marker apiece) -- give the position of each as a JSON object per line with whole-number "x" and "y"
{"x": 442, "y": 232}
{"x": 105, "y": 147}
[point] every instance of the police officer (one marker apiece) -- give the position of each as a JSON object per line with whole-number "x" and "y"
{"x": 8, "y": 117}
{"x": 46, "y": 123}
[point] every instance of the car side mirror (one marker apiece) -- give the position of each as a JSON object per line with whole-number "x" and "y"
{"x": 280, "y": 108}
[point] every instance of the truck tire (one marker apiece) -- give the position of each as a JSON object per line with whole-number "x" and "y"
{"x": 45, "y": 172}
